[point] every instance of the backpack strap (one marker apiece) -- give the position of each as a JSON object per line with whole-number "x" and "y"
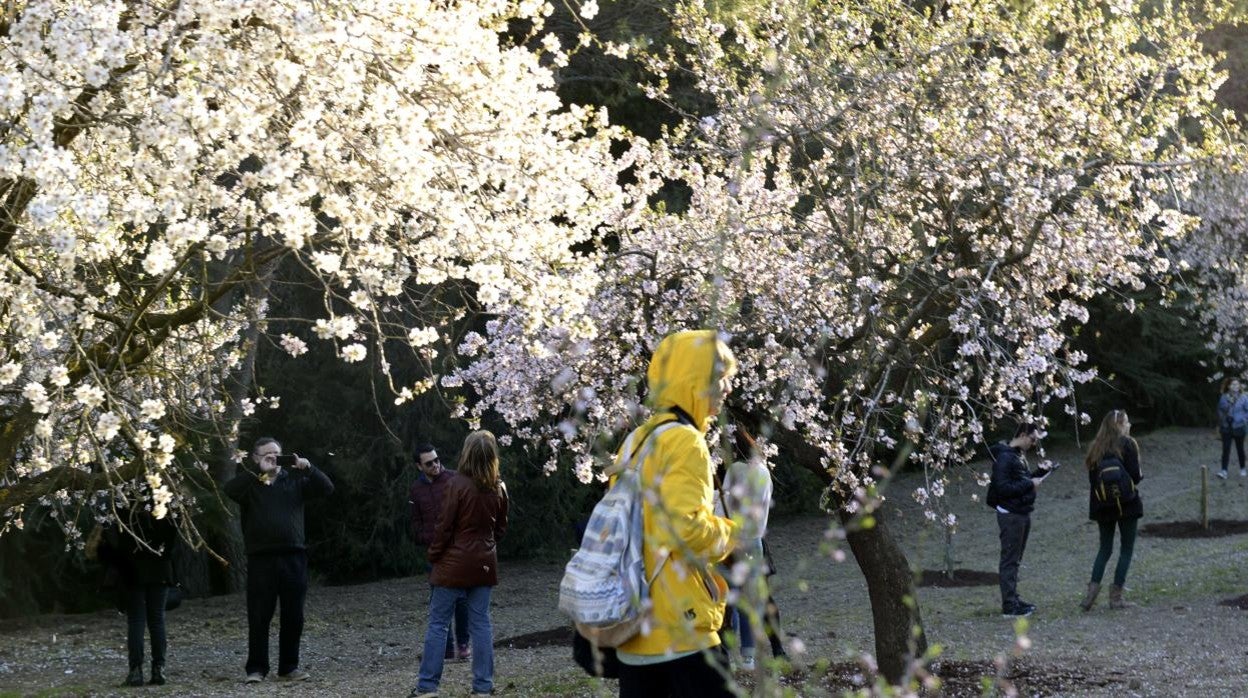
{"x": 633, "y": 462}
{"x": 627, "y": 458}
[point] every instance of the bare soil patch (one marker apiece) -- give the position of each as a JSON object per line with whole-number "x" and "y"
{"x": 962, "y": 679}
{"x": 1240, "y": 602}
{"x": 560, "y": 636}
{"x": 960, "y": 578}
{"x": 1192, "y": 529}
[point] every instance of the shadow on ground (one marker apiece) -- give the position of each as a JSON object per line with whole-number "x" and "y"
{"x": 1193, "y": 529}
{"x": 960, "y": 578}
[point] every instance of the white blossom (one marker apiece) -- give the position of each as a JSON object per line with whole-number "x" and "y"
{"x": 152, "y": 409}
{"x": 353, "y": 353}
{"x": 293, "y": 345}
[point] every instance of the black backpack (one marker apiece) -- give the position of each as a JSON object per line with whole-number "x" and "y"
{"x": 1114, "y": 486}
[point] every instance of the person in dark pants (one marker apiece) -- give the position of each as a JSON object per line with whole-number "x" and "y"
{"x": 1013, "y": 491}
{"x": 425, "y": 501}
{"x": 1232, "y": 423}
{"x": 1113, "y": 447}
{"x": 139, "y": 547}
{"x": 271, "y": 505}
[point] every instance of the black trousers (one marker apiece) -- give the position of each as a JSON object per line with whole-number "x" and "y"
{"x": 272, "y": 579}
{"x": 702, "y": 675}
{"x": 145, "y": 607}
{"x": 1227, "y": 438}
{"x": 1014, "y": 530}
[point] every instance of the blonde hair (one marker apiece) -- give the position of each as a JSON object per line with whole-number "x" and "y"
{"x": 1109, "y": 438}
{"x": 478, "y": 460}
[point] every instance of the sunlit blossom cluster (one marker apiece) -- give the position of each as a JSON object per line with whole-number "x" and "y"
{"x": 898, "y": 219}
{"x": 1213, "y": 263}
{"x": 160, "y": 162}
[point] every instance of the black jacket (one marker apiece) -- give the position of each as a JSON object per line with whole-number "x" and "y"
{"x": 1011, "y": 481}
{"x": 1134, "y": 509}
{"x": 273, "y": 514}
{"x": 142, "y": 554}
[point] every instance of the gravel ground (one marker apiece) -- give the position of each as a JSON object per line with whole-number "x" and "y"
{"x": 365, "y": 639}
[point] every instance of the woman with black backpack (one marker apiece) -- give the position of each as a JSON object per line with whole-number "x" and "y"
{"x": 1113, "y": 463}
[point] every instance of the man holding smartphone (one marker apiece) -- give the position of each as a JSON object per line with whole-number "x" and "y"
{"x": 271, "y": 505}
{"x": 1012, "y": 491}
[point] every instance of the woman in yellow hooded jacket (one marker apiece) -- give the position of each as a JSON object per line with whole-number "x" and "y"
{"x": 679, "y": 653}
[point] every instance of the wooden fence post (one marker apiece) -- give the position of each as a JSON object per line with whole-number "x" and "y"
{"x": 1204, "y": 497}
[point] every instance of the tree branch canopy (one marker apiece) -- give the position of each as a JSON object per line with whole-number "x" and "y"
{"x": 163, "y": 155}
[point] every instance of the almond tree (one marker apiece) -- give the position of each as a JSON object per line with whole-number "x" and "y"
{"x": 159, "y": 159}
{"x": 898, "y": 213}
{"x": 1213, "y": 263}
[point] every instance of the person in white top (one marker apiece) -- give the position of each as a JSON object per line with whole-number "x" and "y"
{"x": 746, "y": 496}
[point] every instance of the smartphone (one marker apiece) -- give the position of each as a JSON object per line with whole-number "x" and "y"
{"x": 287, "y": 460}
{"x": 1054, "y": 465}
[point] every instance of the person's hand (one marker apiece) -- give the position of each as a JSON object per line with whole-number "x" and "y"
{"x": 301, "y": 463}
{"x": 1035, "y": 481}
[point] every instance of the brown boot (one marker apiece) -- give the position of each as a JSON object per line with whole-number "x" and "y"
{"x": 1089, "y": 598}
{"x": 1115, "y": 598}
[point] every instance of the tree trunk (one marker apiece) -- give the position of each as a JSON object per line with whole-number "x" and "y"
{"x": 203, "y": 573}
{"x": 899, "y": 635}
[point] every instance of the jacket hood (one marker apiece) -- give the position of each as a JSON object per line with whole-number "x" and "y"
{"x": 684, "y": 370}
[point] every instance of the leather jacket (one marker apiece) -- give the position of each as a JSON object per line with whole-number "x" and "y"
{"x": 464, "y": 551}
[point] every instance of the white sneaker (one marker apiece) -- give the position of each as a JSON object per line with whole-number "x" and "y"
{"x": 1243, "y": 472}
{"x": 1222, "y": 474}
{"x": 747, "y": 663}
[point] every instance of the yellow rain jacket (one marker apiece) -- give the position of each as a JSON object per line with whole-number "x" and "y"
{"x": 678, "y": 485}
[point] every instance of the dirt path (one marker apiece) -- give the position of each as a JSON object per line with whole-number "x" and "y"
{"x": 364, "y": 640}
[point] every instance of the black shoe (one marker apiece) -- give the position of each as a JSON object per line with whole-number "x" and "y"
{"x": 158, "y": 675}
{"x": 1018, "y": 610}
{"x": 135, "y": 677}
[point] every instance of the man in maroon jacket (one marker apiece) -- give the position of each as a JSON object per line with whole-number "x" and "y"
{"x": 425, "y": 500}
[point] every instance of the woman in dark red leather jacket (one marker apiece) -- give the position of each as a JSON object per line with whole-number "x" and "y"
{"x": 464, "y": 553}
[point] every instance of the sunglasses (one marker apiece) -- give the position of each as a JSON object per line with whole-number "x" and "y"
{"x": 431, "y": 462}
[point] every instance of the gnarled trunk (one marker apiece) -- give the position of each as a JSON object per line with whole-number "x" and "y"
{"x": 898, "y": 625}
{"x": 899, "y": 635}
{"x": 219, "y": 569}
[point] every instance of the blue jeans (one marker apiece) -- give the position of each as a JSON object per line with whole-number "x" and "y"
{"x": 441, "y": 608}
{"x": 462, "y": 635}
{"x": 745, "y": 632}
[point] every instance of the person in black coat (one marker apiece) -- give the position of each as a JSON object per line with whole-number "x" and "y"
{"x": 1113, "y": 502}
{"x": 271, "y": 506}
{"x": 1012, "y": 491}
{"x": 138, "y": 547}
